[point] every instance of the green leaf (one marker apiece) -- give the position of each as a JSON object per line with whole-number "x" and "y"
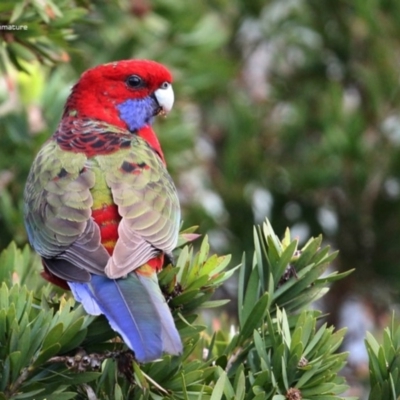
{"x": 183, "y": 265}
{"x": 5, "y": 376}
{"x": 251, "y": 296}
{"x": 254, "y": 319}
{"x": 53, "y": 336}
{"x": 215, "y": 264}
{"x": 17, "y": 12}
{"x": 83, "y": 377}
{"x": 15, "y": 362}
{"x": 219, "y": 388}
{"x": 139, "y": 377}
{"x": 258, "y": 261}
{"x": 240, "y": 384}
{"x": 260, "y": 346}
{"x": 28, "y": 395}
{"x": 185, "y": 297}
{"x": 197, "y": 283}
{"x": 242, "y": 281}
{"x": 214, "y": 303}
{"x": 47, "y": 353}
{"x": 307, "y": 252}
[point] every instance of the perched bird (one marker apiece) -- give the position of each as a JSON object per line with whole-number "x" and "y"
{"x": 101, "y": 208}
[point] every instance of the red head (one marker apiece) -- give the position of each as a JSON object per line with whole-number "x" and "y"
{"x": 126, "y": 93}
{"x": 102, "y": 89}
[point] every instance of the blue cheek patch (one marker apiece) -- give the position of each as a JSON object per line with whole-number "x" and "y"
{"x": 137, "y": 113}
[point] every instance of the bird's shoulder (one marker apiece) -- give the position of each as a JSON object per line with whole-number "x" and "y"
{"x": 52, "y": 166}
{"x": 137, "y": 160}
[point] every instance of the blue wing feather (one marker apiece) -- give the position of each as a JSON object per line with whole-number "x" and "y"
{"x": 136, "y": 309}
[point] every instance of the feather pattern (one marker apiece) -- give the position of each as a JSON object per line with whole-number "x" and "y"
{"x": 58, "y": 208}
{"x": 147, "y": 202}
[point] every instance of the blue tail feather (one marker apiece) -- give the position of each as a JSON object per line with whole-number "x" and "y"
{"x": 136, "y": 309}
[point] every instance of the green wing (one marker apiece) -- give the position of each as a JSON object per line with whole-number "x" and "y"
{"x": 148, "y": 203}
{"x": 58, "y": 214}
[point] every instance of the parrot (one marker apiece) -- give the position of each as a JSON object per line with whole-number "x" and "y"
{"x": 100, "y": 207}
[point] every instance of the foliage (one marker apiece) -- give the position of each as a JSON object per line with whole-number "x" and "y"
{"x": 37, "y": 30}
{"x": 384, "y": 364}
{"x": 50, "y": 349}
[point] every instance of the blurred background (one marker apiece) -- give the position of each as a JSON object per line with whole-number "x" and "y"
{"x": 284, "y": 109}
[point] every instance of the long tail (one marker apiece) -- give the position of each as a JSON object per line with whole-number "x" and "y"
{"x": 136, "y": 309}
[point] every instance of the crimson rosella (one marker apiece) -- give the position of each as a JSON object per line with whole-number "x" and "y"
{"x": 101, "y": 208}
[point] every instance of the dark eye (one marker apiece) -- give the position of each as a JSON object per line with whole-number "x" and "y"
{"x": 135, "y": 81}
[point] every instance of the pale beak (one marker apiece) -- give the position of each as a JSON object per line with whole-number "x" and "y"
{"x": 165, "y": 98}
